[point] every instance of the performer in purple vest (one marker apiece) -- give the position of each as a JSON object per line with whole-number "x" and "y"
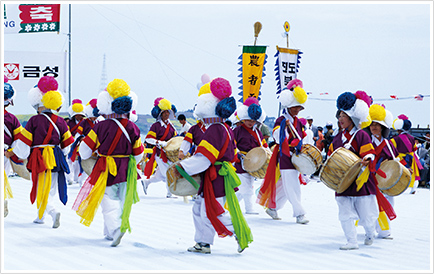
{"x": 406, "y": 147}
{"x": 212, "y": 160}
{"x": 76, "y": 115}
{"x": 379, "y": 130}
{"x": 45, "y": 141}
{"x": 358, "y": 201}
{"x": 11, "y": 128}
{"x": 84, "y": 127}
{"x": 160, "y": 132}
{"x": 113, "y": 181}
{"x": 288, "y": 134}
{"x": 247, "y": 137}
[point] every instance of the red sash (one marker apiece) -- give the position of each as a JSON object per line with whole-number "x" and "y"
{"x": 36, "y": 163}
{"x": 213, "y": 208}
{"x": 75, "y": 128}
{"x": 267, "y": 192}
{"x": 150, "y": 164}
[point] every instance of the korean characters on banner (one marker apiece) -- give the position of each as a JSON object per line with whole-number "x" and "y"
{"x": 252, "y": 70}
{"x": 24, "y": 68}
{"x": 287, "y": 64}
{"x": 28, "y": 18}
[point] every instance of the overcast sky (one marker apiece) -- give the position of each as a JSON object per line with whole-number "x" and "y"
{"x": 163, "y": 49}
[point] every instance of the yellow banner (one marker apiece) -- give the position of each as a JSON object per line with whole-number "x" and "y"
{"x": 253, "y": 60}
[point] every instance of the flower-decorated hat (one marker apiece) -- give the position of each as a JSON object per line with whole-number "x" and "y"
{"x": 91, "y": 110}
{"x": 76, "y": 108}
{"x": 216, "y": 102}
{"x": 381, "y": 115}
{"x": 116, "y": 98}
{"x": 45, "y": 94}
{"x": 356, "y": 106}
{"x": 402, "y": 123}
{"x": 160, "y": 105}
{"x": 9, "y": 92}
{"x": 251, "y": 110}
{"x": 293, "y": 95}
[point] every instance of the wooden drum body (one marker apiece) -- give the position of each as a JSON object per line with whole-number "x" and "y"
{"x": 397, "y": 180}
{"x": 178, "y": 185}
{"x": 340, "y": 170}
{"x": 172, "y": 148}
{"x": 256, "y": 162}
{"x": 21, "y": 170}
{"x": 308, "y": 160}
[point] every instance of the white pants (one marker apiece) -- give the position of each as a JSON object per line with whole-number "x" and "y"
{"x": 362, "y": 208}
{"x": 160, "y": 173}
{"x": 74, "y": 170}
{"x": 8, "y": 166}
{"x": 112, "y": 205}
{"x": 245, "y": 190}
{"x": 205, "y": 232}
{"x": 385, "y": 233}
{"x": 51, "y": 196}
{"x": 288, "y": 189}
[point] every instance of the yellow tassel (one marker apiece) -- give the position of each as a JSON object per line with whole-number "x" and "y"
{"x": 383, "y": 221}
{"x": 361, "y": 180}
{"x": 7, "y": 188}
{"x": 357, "y": 223}
{"x": 44, "y": 181}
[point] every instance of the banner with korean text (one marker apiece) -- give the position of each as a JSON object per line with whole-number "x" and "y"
{"x": 286, "y": 67}
{"x": 24, "y": 68}
{"x": 252, "y": 69}
{"x": 28, "y": 18}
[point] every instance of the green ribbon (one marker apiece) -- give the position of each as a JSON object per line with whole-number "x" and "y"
{"x": 241, "y": 228}
{"x": 131, "y": 195}
{"x": 186, "y": 176}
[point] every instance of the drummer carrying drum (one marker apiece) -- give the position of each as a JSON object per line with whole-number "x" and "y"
{"x": 159, "y": 134}
{"x": 358, "y": 201}
{"x": 379, "y": 130}
{"x": 288, "y": 134}
{"x": 248, "y": 136}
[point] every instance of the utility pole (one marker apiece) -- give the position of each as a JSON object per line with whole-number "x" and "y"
{"x": 69, "y": 61}
{"x": 103, "y": 81}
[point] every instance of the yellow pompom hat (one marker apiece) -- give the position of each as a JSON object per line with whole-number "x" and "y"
{"x": 116, "y": 98}
{"x": 77, "y": 108}
{"x": 294, "y": 95}
{"x": 381, "y": 115}
{"x": 45, "y": 94}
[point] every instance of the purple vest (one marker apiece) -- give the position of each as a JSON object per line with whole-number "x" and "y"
{"x": 285, "y": 161}
{"x": 12, "y": 123}
{"x": 245, "y": 142}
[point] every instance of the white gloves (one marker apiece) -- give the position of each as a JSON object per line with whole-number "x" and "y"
{"x": 161, "y": 144}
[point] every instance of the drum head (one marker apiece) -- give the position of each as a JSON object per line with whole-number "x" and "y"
{"x": 304, "y": 164}
{"x": 174, "y": 143}
{"x": 254, "y": 159}
{"x": 397, "y": 179}
{"x": 349, "y": 177}
{"x": 179, "y": 185}
{"x": 21, "y": 170}
{"x": 88, "y": 164}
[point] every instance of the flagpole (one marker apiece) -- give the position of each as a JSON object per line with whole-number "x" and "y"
{"x": 69, "y": 56}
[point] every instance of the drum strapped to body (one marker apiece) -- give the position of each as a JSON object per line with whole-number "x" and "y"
{"x": 308, "y": 160}
{"x": 256, "y": 162}
{"x": 172, "y": 148}
{"x": 340, "y": 170}
{"x": 21, "y": 170}
{"x": 89, "y": 163}
{"x": 178, "y": 185}
{"x": 397, "y": 180}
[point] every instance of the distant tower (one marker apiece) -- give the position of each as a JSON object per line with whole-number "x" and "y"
{"x": 103, "y": 82}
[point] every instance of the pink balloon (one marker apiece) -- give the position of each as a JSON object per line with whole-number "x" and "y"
{"x": 205, "y": 78}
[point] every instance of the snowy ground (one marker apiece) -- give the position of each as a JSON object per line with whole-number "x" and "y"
{"x": 162, "y": 230}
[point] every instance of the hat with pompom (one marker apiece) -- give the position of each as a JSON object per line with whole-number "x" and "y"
{"x": 293, "y": 95}
{"x": 381, "y": 115}
{"x": 45, "y": 94}
{"x": 91, "y": 110}
{"x": 402, "y": 123}
{"x": 217, "y": 101}
{"x": 9, "y": 92}
{"x": 133, "y": 116}
{"x": 160, "y": 105}
{"x": 356, "y": 106}
{"x": 251, "y": 110}
{"x": 116, "y": 98}
{"x": 76, "y": 108}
